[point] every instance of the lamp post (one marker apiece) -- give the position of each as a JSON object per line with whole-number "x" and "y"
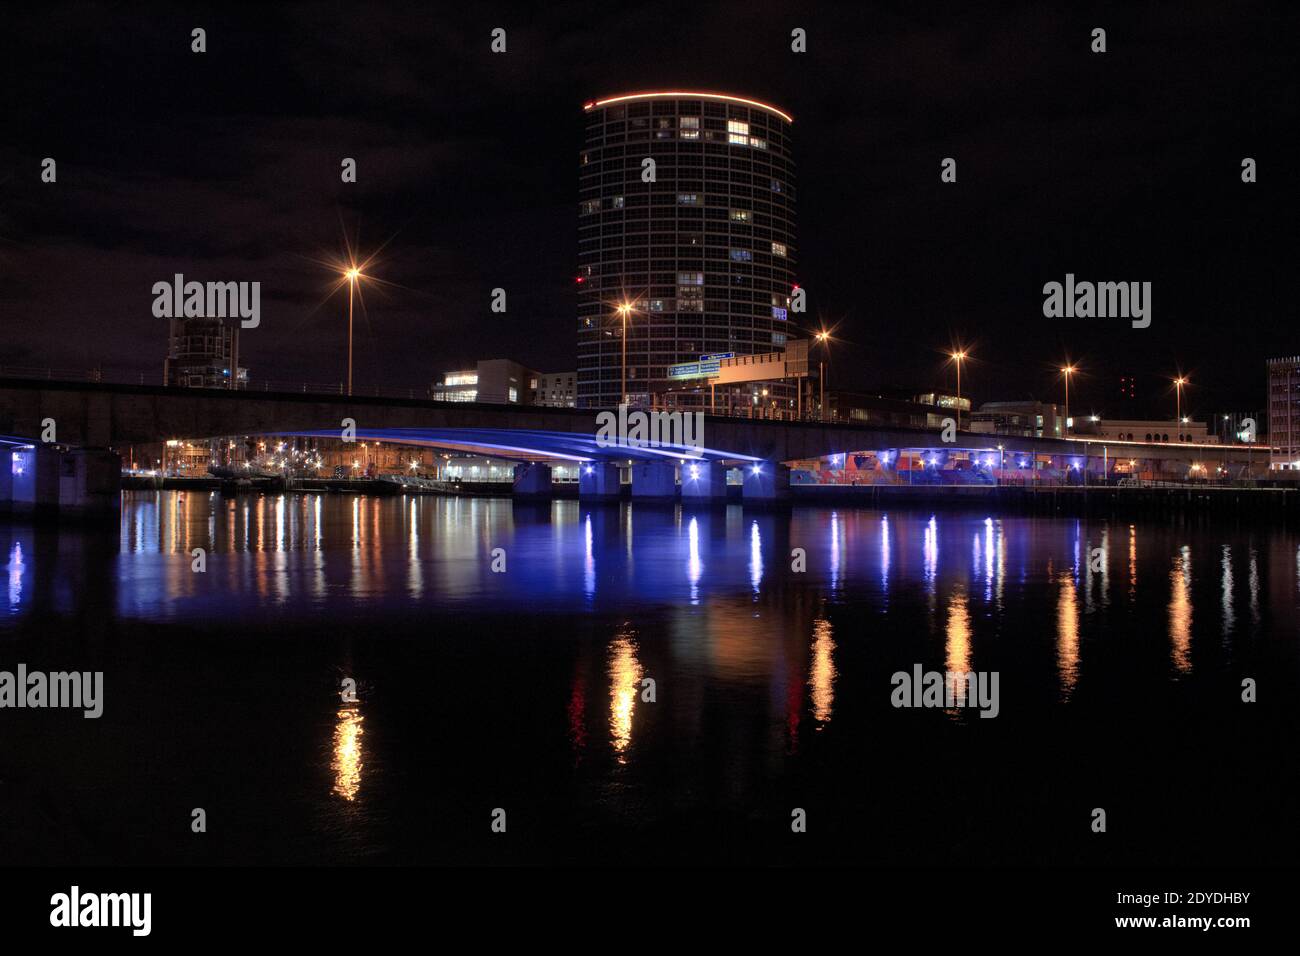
{"x": 352, "y": 275}
{"x": 624, "y": 309}
{"x": 1067, "y": 371}
{"x": 1179, "y": 382}
{"x": 823, "y": 337}
{"x": 957, "y": 357}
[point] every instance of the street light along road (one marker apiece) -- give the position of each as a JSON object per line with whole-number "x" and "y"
{"x": 1067, "y": 371}
{"x": 352, "y": 274}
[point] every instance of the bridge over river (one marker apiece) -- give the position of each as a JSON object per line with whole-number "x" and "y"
{"x": 92, "y": 420}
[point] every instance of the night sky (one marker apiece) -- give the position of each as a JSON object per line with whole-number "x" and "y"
{"x": 225, "y": 166}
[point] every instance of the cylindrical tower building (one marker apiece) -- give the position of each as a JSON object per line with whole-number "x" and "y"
{"x": 698, "y": 246}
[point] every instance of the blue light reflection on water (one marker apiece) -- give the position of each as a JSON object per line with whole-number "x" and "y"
{"x": 320, "y": 554}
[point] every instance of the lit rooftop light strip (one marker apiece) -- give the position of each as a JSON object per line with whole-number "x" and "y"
{"x": 1160, "y": 444}
{"x": 689, "y": 95}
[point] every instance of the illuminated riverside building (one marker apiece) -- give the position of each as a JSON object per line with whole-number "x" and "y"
{"x": 705, "y": 254}
{"x": 1284, "y": 412}
{"x": 505, "y": 382}
{"x": 499, "y": 381}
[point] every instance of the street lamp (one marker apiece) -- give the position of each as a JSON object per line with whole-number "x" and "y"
{"x": 624, "y": 310}
{"x": 823, "y": 337}
{"x": 957, "y": 357}
{"x": 1067, "y": 371}
{"x": 1179, "y": 382}
{"x": 352, "y": 275}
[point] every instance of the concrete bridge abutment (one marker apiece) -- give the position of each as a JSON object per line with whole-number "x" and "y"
{"x": 704, "y": 482}
{"x": 49, "y": 481}
{"x": 654, "y": 481}
{"x": 599, "y": 481}
{"x": 766, "y": 482}
{"x": 532, "y": 480}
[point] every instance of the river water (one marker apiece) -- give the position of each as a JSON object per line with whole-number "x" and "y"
{"x": 629, "y": 683}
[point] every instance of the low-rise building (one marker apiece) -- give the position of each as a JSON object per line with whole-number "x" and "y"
{"x": 867, "y": 408}
{"x": 554, "y": 389}
{"x": 1143, "y": 430}
{"x": 944, "y": 401}
{"x": 497, "y": 381}
{"x": 1027, "y": 419}
{"x": 456, "y": 387}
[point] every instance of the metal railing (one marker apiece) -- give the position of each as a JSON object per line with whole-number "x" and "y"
{"x": 122, "y": 377}
{"x": 75, "y": 375}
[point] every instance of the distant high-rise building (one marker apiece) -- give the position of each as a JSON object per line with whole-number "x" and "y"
{"x": 203, "y": 353}
{"x": 1284, "y": 411}
{"x": 687, "y": 214}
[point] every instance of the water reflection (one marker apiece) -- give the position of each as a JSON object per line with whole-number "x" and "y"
{"x": 1000, "y": 588}
{"x": 822, "y": 671}
{"x": 1105, "y": 567}
{"x": 1253, "y": 584}
{"x": 957, "y": 645}
{"x": 1229, "y": 616}
{"x": 15, "y": 568}
{"x": 1132, "y": 562}
{"x": 1067, "y": 635}
{"x": 931, "y": 552}
{"x": 991, "y": 555}
{"x": 577, "y": 714}
{"x": 332, "y": 563}
{"x": 526, "y": 686}
{"x": 837, "y": 550}
{"x": 624, "y": 686}
{"x": 588, "y": 559}
{"x": 346, "y": 764}
{"x": 884, "y": 554}
{"x": 415, "y": 565}
{"x": 694, "y": 567}
{"x": 1180, "y": 610}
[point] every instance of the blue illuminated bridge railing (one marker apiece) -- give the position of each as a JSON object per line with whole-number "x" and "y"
{"x": 529, "y": 444}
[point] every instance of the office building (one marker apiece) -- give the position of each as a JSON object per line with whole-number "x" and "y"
{"x": 554, "y": 389}
{"x": 497, "y": 381}
{"x": 686, "y": 216}
{"x": 1284, "y": 412}
{"x": 203, "y": 353}
{"x": 1027, "y": 419}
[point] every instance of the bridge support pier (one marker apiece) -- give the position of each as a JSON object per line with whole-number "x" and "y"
{"x": 532, "y": 480}
{"x": 45, "y": 481}
{"x": 704, "y": 482}
{"x": 766, "y": 482}
{"x": 6, "y": 480}
{"x": 654, "y": 481}
{"x": 598, "y": 481}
